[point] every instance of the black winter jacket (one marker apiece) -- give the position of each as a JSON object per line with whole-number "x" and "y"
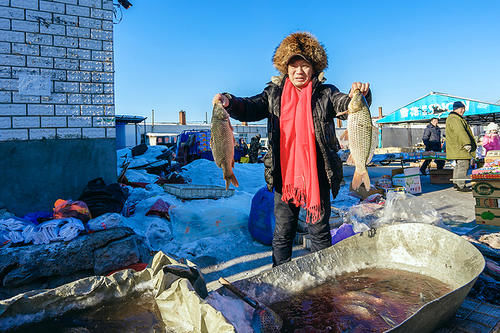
{"x": 326, "y": 101}
{"x": 432, "y": 138}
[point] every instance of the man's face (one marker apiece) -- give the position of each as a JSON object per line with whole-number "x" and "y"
{"x": 434, "y": 122}
{"x": 300, "y": 72}
{"x": 460, "y": 111}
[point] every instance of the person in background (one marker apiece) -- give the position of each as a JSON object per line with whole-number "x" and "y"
{"x": 460, "y": 145}
{"x": 491, "y": 140}
{"x": 254, "y": 149}
{"x": 301, "y": 165}
{"x": 432, "y": 142}
{"x": 187, "y": 146}
{"x": 244, "y": 147}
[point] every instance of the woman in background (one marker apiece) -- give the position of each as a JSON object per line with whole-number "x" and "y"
{"x": 491, "y": 140}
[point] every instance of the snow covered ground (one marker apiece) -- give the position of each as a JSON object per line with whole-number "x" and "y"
{"x": 212, "y": 233}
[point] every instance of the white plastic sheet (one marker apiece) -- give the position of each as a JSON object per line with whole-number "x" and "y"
{"x": 406, "y": 208}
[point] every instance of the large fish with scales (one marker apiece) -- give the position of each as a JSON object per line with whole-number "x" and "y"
{"x": 222, "y": 143}
{"x": 362, "y": 136}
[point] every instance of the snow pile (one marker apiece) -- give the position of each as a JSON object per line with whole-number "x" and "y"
{"x": 214, "y": 228}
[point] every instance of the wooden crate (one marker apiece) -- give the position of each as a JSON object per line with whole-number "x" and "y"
{"x": 441, "y": 176}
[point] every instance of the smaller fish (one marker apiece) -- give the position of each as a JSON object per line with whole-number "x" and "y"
{"x": 222, "y": 143}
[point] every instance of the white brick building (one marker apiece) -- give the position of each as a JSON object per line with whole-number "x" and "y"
{"x": 56, "y": 85}
{"x": 67, "y": 46}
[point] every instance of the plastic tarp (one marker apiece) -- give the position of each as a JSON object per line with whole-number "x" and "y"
{"x": 181, "y": 308}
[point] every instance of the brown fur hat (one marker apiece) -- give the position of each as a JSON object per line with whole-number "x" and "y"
{"x": 303, "y": 44}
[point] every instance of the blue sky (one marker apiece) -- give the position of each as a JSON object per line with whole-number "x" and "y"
{"x": 175, "y": 55}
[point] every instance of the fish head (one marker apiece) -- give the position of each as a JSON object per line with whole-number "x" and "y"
{"x": 357, "y": 101}
{"x": 219, "y": 112}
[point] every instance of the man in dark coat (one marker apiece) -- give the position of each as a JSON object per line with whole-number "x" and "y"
{"x": 253, "y": 154}
{"x": 298, "y": 93}
{"x": 432, "y": 142}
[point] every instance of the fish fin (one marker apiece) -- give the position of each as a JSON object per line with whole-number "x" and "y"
{"x": 344, "y": 136}
{"x": 350, "y": 160}
{"x": 360, "y": 177}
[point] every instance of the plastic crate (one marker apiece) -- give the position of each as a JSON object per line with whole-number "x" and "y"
{"x": 191, "y": 192}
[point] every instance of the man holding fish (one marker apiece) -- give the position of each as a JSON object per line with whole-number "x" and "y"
{"x": 302, "y": 165}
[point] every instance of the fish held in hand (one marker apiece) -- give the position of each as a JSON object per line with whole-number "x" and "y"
{"x": 362, "y": 138}
{"x": 222, "y": 143}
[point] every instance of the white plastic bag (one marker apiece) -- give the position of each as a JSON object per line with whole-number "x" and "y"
{"x": 404, "y": 207}
{"x": 71, "y": 229}
{"x": 105, "y": 221}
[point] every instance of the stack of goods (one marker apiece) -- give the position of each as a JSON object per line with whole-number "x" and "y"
{"x": 491, "y": 170}
{"x": 384, "y": 182}
{"x": 486, "y": 190}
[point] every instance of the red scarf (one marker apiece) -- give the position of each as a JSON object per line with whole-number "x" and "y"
{"x": 298, "y": 151}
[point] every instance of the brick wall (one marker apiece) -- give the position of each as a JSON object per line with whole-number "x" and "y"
{"x": 56, "y": 69}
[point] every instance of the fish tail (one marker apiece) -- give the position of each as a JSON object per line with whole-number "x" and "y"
{"x": 360, "y": 177}
{"x": 231, "y": 180}
{"x": 234, "y": 181}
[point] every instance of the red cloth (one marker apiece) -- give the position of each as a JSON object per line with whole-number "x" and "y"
{"x": 160, "y": 208}
{"x": 298, "y": 151}
{"x": 136, "y": 267}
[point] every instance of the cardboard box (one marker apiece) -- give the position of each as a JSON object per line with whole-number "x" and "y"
{"x": 393, "y": 150}
{"x": 486, "y": 193}
{"x": 492, "y": 155}
{"x": 486, "y": 188}
{"x": 441, "y": 176}
{"x": 406, "y": 171}
{"x": 489, "y": 216}
{"x": 409, "y": 179}
{"x": 397, "y": 171}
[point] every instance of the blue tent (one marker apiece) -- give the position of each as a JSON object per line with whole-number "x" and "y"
{"x": 439, "y": 105}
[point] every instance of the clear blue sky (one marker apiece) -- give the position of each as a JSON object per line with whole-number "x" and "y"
{"x": 173, "y": 55}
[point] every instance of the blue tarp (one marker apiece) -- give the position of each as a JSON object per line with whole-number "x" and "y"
{"x": 437, "y": 105}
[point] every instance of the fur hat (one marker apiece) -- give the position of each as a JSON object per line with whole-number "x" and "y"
{"x": 302, "y": 44}
{"x": 492, "y": 127}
